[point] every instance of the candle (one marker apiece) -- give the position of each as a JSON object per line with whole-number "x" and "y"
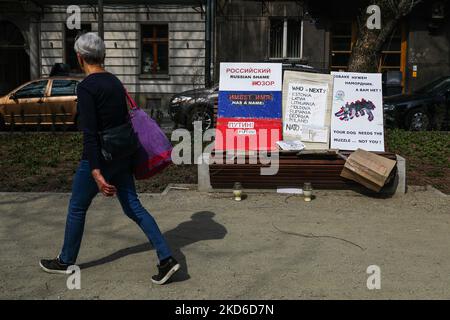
{"x": 307, "y": 191}
{"x": 237, "y": 191}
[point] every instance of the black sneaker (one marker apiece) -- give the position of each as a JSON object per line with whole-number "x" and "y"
{"x": 166, "y": 271}
{"x": 54, "y": 266}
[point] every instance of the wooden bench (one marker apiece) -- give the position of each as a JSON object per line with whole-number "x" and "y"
{"x": 323, "y": 171}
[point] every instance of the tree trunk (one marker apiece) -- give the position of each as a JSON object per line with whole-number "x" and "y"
{"x": 366, "y": 51}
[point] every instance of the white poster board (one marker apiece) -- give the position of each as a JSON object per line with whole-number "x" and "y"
{"x": 357, "y": 113}
{"x": 307, "y": 99}
{"x": 245, "y": 76}
{"x": 306, "y": 106}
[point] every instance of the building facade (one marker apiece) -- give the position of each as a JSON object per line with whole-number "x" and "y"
{"x": 322, "y": 33}
{"x": 156, "y": 51}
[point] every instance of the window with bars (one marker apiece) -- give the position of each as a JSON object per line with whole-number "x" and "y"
{"x": 155, "y": 49}
{"x": 285, "y": 38}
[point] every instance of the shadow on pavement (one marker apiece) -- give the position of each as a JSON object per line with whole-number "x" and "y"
{"x": 201, "y": 227}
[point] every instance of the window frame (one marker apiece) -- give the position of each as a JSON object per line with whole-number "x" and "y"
{"x": 164, "y": 76}
{"x": 284, "y": 54}
{"x": 353, "y": 37}
{"x": 403, "y": 37}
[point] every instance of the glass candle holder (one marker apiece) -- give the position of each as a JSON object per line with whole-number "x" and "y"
{"x": 237, "y": 191}
{"x": 307, "y": 191}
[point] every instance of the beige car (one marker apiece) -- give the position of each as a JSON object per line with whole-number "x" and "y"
{"x": 41, "y": 102}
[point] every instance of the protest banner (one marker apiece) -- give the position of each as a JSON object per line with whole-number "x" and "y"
{"x": 357, "y": 113}
{"x": 249, "y": 106}
{"x": 305, "y": 107}
{"x": 307, "y": 101}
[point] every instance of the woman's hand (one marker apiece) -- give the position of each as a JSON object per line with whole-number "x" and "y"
{"x": 107, "y": 189}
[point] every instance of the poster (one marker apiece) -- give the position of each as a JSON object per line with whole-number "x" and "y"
{"x": 306, "y": 106}
{"x": 307, "y": 99}
{"x": 249, "y": 110}
{"x": 357, "y": 113}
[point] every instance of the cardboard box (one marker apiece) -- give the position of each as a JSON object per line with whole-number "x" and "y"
{"x": 369, "y": 169}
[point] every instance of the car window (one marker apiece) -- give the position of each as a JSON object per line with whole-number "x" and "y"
{"x": 64, "y": 88}
{"x": 33, "y": 90}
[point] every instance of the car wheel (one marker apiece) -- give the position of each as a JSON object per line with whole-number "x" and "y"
{"x": 418, "y": 120}
{"x": 201, "y": 113}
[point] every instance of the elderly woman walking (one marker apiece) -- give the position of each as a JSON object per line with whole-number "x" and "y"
{"x": 102, "y": 105}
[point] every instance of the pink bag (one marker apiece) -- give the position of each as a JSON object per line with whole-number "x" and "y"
{"x": 155, "y": 151}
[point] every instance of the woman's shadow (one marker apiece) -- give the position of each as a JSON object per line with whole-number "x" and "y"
{"x": 201, "y": 227}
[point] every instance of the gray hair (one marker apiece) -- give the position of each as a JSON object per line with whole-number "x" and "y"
{"x": 91, "y": 48}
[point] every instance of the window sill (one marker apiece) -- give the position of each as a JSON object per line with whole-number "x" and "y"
{"x": 154, "y": 76}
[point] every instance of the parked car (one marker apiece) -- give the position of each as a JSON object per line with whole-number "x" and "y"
{"x": 41, "y": 102}
{"x": 194, "y": 105}
{"x": 198, "y": 104}
{"x": 425, "y": 109}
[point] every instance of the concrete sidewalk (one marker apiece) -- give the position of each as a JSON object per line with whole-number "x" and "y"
{"x": 262, "y": 247}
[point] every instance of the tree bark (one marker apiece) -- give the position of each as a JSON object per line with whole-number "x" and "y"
{"x": 366, "y": 51}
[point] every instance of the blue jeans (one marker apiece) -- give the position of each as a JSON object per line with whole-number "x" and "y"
{"x": 84, "y": 190}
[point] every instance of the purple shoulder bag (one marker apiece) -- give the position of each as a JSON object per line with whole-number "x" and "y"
{"x": 155, "y": 152}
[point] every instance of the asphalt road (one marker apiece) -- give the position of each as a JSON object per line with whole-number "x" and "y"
{"x": 267, "y": 246}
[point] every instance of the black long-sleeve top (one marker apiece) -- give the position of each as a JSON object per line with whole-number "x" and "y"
{"x": 101, "y": 105}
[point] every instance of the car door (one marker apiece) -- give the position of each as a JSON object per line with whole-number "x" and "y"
{"x": 62, "y": 100}
{"x": 25, "y": 103}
